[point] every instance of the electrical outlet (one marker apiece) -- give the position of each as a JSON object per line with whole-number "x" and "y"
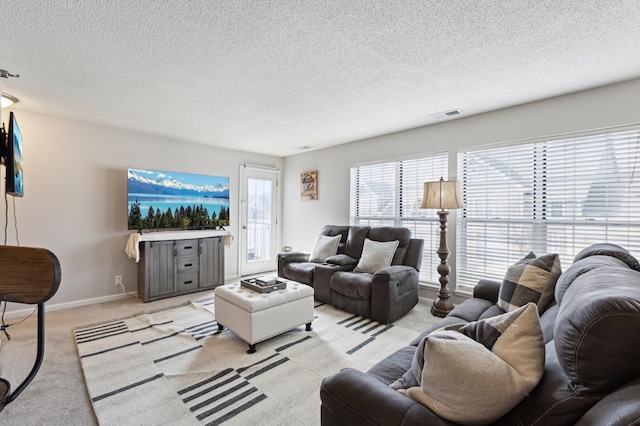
{"x": 118, "y": 279}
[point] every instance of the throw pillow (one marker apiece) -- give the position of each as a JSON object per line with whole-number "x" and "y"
{"x": 376, "y": 255}
{"x": 476, "y": 373}
{"x": 323, "y": 247}
{"x": 532, "y": 279}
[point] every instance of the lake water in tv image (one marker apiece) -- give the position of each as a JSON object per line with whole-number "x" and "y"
{"x": 174, "y": 202}
{"x": 158, "y": 199}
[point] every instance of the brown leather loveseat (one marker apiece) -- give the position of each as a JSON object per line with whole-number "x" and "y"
{"x": 383, "y": 294}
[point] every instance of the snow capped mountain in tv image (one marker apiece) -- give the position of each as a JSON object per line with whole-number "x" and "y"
{"x": 169, "y": 200}
{"x": 172, "y": 183}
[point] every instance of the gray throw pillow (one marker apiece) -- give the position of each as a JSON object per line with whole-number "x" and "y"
{"x": 376, "y": 255}
{"x": 323, "y": 247}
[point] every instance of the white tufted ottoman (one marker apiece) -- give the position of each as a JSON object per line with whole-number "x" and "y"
{"x": 255, "y": 316}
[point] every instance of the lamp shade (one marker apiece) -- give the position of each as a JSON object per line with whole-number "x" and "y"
{"x": 442, "y": 194}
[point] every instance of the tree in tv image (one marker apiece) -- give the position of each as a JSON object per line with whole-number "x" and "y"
{"x": 165, "y": 200}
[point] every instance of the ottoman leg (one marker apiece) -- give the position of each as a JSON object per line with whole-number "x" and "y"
{"x": 252, "y": 349}
{"x": 308, "y": 327}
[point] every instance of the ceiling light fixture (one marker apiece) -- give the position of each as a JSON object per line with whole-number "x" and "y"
{"x": 8, "y": 100}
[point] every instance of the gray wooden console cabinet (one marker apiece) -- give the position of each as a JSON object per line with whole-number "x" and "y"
{"x": 173, "y": 267}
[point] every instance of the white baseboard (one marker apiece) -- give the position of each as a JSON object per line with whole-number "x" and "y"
{"x": 21, "y": 313}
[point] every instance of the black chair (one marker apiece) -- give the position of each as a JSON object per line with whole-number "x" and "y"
{"x": 27, "y": 275}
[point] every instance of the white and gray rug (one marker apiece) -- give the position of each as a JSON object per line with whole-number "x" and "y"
{"x": 175, "y": 367}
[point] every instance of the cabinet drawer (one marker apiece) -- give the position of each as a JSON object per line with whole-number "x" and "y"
{"x": 186, "y": 248}
{"x": 187, "y": 282}
{"x": 187, "y": 265}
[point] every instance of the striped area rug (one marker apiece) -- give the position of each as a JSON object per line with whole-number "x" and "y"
{"x": 174, "y": 367}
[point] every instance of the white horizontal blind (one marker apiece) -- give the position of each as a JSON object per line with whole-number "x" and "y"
{"x": 547, "y": 197}
{"x": 390, "y": 194}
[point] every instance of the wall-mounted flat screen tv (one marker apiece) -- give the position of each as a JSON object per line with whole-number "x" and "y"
{"x": 170, "y": 200}
{"x": 15, "y": 171}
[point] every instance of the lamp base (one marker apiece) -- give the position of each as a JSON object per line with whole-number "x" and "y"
{"x": 441, "y": 307}
{"x": 442, "y": 304}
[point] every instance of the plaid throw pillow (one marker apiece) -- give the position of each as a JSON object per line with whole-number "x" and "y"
{"x": 532, "y": 279}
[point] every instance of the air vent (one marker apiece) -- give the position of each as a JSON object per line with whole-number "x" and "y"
{"x": 446, "y": 114}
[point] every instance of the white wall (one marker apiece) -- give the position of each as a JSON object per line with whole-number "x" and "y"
{"x": 75, "y": 178}
{"x": 612, "y": 105}
{"x": 75, "y": 201}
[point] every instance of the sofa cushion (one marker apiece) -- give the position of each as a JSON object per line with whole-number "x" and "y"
{"x": 394, "y": 365}
{"x": 376, "y": 255}
{"x": 608, "y": 249}
{"x": 301, "y": 272}
{"x": 548, "y": 322}
{"x": 532, "y": 279}
{"x": 323, "y": 247}
{"x": 351, "y": 284}
{"x": 355, "y": 241}
{"x": 485, "y": 366}
{"x": 332, "y": 230}
{"x": 597, "y": 338}
{"x": 474, "y": 309}
{"x": 580, "y": 267}
{"x": 624, "y": 403}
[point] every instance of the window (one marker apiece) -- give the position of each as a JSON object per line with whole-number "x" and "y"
{"x": 547, "y": 197}
{"x": 390, "y": 194}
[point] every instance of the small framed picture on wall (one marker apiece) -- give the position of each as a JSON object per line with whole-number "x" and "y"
{"x": 309, "y": 185}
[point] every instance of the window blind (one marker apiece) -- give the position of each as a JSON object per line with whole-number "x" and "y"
{"x": 390, "y": 194}
{"x": 556, "y": 196}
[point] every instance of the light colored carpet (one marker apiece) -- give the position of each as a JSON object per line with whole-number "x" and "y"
{"x": 175, "y": 367}
{"x": 58, "y": 395}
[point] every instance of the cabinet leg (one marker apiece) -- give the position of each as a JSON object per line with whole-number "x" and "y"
{"x": 308, "y": 327}
{"x": 252, "y": 349}
{"x": 220, "y": 327}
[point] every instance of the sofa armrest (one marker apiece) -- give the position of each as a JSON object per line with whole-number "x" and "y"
{"x": 394, "y": 291}
{"x": 620, "y": 407}
{"x": 322, "y": 279}
{"x": 400, "y": 273}
{"x": 487, "y": 289}
{"x": 342, "y": 260}
{"x": 351, "y": 397}
{"x": 284, "y": 258}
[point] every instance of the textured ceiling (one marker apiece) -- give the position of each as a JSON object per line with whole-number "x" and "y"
{"x": 276, "y": 76}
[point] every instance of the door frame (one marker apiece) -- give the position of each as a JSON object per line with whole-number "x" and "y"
{"x": 245, "y": 170}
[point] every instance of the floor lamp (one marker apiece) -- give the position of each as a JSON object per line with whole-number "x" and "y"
{"x": 442, "y": 195}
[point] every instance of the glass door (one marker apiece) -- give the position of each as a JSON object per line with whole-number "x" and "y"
{"x": 259, "y": 220}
